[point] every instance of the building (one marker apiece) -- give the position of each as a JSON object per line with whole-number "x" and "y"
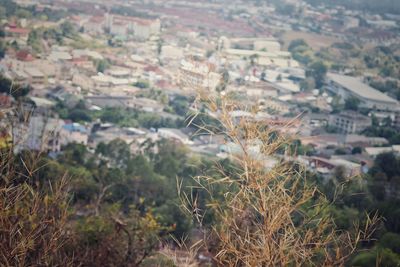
{"x": 5, "y": 101}
{"x": 95, "y": 25}
{"x": 74, "y": 133}
{"x": 137, "y": 28}
{"x": 24, "y": 55}
{"x": 43, "y": 134}
{"x": 147, "y": 105}
{"x": 347, "y": 87}
{"x": 349, "y": 122}
{"x": 17, "y": 32}
{"x": 104, "y": 101}
{"x": 198, "y": 75}
{"x": 327, "y": 166}
{"x": 174, "y": 134}
{"x": 35, "y": 76}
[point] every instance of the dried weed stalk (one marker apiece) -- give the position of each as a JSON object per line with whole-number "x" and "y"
{"x": 33, "y": 213}
{"x": 265, "y": 216}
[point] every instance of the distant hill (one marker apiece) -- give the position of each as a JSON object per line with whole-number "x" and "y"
{"x": 382, "y": 6}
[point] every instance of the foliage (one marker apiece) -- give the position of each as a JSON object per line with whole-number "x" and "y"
{"x": 115, "y": 241}
{"x": 142, "y": 84}
{"x": 318, "y": 71}
{"x": 15, "y": 90}
{"x": 356, "y": 150}
{"x": 297, "y": 43}
{"x": 383, "y": 131}
{"x": 102, "y": 65}
{"x": 180, "y": 105}
{"x": 352, "y": 103}
{"x": 391, "y": 87}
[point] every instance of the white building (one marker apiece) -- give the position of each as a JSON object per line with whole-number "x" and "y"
{"x": 43, "y": 134}
{"x": 138, "y": 28}
{"x": 346, "y": 87}
{"x": 349, "y": 122}
{"x": 198, "y": 75}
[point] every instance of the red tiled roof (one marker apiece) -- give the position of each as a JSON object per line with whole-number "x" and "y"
{"x": 17, "y": 31}
{"x": 97, "y": 19}
{"x": 24, "y": 56}
{"x": 5, "y": 100}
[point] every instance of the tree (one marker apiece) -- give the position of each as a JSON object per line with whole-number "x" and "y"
{"x": 2, "y": 48}
{"x": 318, "y": 71}
{"x": 356, "y": 150}
{"x": 102, "y": 65}
{"x": 386, "y": 163}
{"x": 296, "y": 43}
{"x": 142, "y": 84}
{"x": 253, "y": 59}
{"x": 307, "y": 84}
{"x": 180, "y": 105}
{"x": 391, "y": 241}
{"x": 387, "y": 122}
{"x": 16, "y": 90}
{"x": 67, "y": 29}
{"x": 3, "y": 13}
{"x": 352, "y": 103}
{"x": 79, "y": 115}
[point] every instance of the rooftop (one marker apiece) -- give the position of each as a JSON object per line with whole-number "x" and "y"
{"x": 358, "y": 87}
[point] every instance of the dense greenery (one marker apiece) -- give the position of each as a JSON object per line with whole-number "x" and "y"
{"x": 384, "y": 131}
{"x": 392, "y": 87}
{"x": 123, "y": 117}
{"x": 375, "y": 192}
{"x": 316, "y": 69}
{"x": 13, "y": 89}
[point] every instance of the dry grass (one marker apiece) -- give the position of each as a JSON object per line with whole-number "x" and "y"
{"x": 32, "y": 216}
{"x": 33, "y": 212}
{"x": 265, "y": 216}
{"x": 316, "y": 41}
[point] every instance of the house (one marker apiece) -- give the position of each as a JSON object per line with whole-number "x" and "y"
{"x": 326, "y": 166}
{"x": 82, "y": 81}
{"x": 347, "y": 87}
{"x": 174, "y": 134}
{"x": 83, "y": 62}
{"x": 14, "y": 31}
{"x": 342, "y": 140}
{"x": 375, "y": 151}
{"x": 43, "y": 134}
{"x": 24, "y": 55}
{"x": 35, "y": 76}
{"x": 42, "y": 105}
{"x": 95, "y": 25}
{"x": 138, "y": 28}
{"x": 74, "y": 133}
{"x": 349, "y": 122}
{"x": 103, "y": 101}
{"x": 5, "y": 101}
{"x": 146, "y": 104}
{"x": 119, "y": 73}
